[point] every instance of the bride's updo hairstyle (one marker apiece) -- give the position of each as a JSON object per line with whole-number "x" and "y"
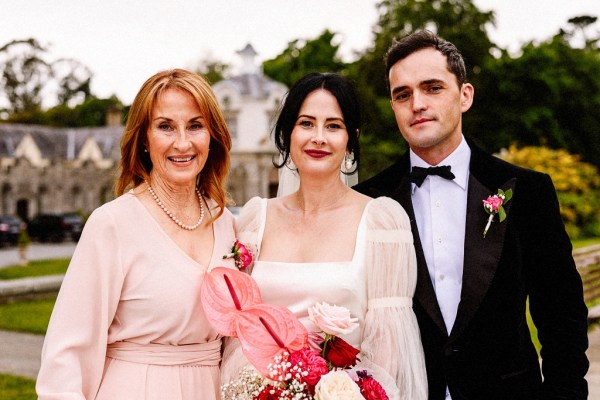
{"x": 344, "y": 92}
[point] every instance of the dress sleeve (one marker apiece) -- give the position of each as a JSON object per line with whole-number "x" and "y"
{"x": 74, "y": 351}
{"x": 391, "y": 337}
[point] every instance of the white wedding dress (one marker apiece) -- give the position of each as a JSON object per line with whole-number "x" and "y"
{"x": 377, "y": 286}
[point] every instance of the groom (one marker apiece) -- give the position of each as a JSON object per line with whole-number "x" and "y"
{"x": 472, "y": 288}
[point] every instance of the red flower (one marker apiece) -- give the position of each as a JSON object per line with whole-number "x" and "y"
{"x": 339, "y": 353}
{"x": 370, "y": 388}
{"x": 269, "y": 393}
{"x": 312, "y": 363}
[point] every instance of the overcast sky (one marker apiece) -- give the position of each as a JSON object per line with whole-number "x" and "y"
{"x": 123, "y": 42}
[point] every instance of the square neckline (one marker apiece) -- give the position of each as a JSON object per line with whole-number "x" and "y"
{"x": 359, "y": 238}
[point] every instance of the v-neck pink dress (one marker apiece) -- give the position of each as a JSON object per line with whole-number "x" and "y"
{"x": 128, "y": 323}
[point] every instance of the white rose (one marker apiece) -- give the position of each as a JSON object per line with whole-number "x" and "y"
{"x": 333, "y": 320}
{"x": 337, "y": 385}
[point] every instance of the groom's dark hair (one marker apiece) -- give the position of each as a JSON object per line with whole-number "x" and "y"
{"x": 420, "y": 40}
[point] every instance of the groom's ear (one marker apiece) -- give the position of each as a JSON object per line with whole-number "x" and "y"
{"x": 467, "y": 93}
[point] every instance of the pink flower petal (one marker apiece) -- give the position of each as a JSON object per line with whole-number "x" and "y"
{"x": 233, "y": 306}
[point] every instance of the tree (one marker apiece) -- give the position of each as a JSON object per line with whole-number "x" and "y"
{"x": 548, "y": 95}
{"x": 580, "y": 24}
{"x": 304, "y": 56}
{"x": 24, "y": 74}
{"x": 74, "y": 80}
{"x": 28, "y": 77}
{"x": 92, "y": 112}
{"x": 212, "y": 69}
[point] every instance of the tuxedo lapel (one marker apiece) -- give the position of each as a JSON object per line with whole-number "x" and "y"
{"x": 482, "y": 255}
{"x": 424, "y": 293}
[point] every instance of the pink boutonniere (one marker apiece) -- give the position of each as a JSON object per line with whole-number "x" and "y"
{"x": 240, "y": 254}
{"x": 493, "y": 205}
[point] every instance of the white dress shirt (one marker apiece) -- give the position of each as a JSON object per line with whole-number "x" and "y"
{"x": 441, "y": 211}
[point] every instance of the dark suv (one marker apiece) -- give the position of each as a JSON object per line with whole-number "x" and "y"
{"x": 10, "y": 226}
{"x": 55, "y": 227}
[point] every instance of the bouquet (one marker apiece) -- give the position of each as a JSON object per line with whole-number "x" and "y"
{"x": 285, "y": 365}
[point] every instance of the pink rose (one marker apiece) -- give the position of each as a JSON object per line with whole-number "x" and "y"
{"x": 493, "y": 202}
{"x": 310, "y": 362}
{"x": 315, "y": 341}
{"x": 333, "y": 320}
{"x": 241, "y": 255}
{"x": 244, "y": 255}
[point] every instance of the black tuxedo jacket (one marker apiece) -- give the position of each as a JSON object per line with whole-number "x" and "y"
{"x": 489, "y": 353}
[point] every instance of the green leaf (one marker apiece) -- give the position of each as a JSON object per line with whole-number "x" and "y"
{"x": 501, "y": 214}
{"x": 508, "y": 195}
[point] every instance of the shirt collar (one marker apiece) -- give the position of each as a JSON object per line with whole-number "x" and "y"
{"x": 458, "y": 160}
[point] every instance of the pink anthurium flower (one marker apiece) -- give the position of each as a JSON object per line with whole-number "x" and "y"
{"x": 233, "y": 306}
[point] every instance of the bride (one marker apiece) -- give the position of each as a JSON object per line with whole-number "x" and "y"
{"x": 325, "y": 242}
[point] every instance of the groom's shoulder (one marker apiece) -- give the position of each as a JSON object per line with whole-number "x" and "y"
{"x": 383, "y": 183}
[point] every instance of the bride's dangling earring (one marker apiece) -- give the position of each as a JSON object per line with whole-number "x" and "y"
{"x": 348, "y": 162}
{"x": 347, "y": 165}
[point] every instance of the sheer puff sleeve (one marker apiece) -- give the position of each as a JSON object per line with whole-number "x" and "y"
{"x": 391, "y": 337}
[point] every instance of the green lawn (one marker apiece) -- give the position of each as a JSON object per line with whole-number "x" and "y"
{"x": 31, "y": 316}
{"x": 35, "y": 268}
{"x": 585, "y": 242}
{"x": 17, "y": 388}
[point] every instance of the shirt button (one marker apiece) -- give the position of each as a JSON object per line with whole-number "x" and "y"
{"x": 439, "y": 240}
{"x": 438, "y": 203}
{"x": 442, "y": 276}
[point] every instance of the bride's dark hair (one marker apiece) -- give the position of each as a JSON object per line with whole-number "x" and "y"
{"x": 344, "y": 92}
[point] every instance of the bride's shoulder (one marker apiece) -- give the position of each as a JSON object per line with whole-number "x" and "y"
{"x": 283, "y": 206}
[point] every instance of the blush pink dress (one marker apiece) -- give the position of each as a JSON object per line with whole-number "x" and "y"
{"x": 128, "y": 323}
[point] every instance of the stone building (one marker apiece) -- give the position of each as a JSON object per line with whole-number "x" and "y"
{"x": 250, "y": 101}
{"x": 46, "y": 169}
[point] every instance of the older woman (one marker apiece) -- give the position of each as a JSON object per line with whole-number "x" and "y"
{"x": 127, "y": 323}
{"x": 325, "y": 242}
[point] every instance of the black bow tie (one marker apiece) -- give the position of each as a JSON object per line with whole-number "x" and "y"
{"x": 418, "y": 174}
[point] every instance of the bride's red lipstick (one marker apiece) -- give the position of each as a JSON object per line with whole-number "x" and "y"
{"x": 317, "y": 153}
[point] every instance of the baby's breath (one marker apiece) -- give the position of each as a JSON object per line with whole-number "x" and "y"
{"x": 282, "y": 375}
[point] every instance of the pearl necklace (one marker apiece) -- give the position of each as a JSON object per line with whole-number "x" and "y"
{"x": 172, "y": 216}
